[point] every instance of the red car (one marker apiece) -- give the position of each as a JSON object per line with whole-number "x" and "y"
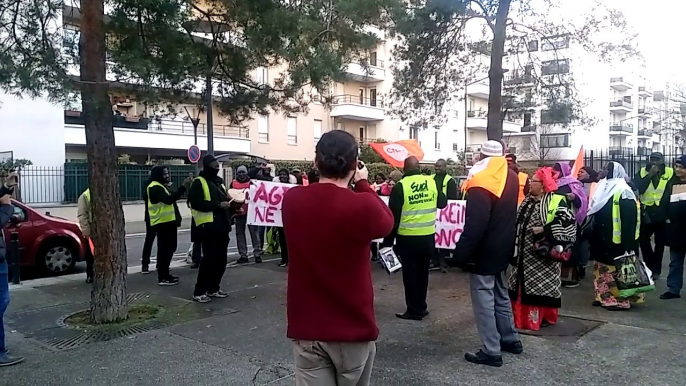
{"x": 51, "y": 244}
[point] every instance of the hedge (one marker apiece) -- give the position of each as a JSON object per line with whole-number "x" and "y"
{"x": 374, "y": 169}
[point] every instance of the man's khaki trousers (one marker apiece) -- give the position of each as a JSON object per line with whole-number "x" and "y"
{"x": 333, "y": 363}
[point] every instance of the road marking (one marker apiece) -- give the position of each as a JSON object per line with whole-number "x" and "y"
{"x": 137, "y": 235}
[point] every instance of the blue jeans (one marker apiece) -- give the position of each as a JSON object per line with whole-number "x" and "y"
{"x": 675, "y": 278}
{"x": 4, "y": 302}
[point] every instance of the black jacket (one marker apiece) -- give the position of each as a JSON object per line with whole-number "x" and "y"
{"x": 653, "y": 213}
{"x": 603, "y": 250}
{"x": 159, "y": 194}
{"x": 395, "y": 204}
{"x": 676, "y": 228}
{"x": 196, "y": 198}
{"x": 487, "y": 242}
{"x": 451, "y": 192}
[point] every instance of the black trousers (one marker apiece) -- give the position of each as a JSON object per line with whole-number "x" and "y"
{"x": 282, "y": 245}
{"x": 439, "y": 257}
{"x": 150, "y": 234}
{"x": 653, "y": 257}
{"x": 415, "y": 253}
{"x": 89, "y": 261}
{"x": 215, "y": 248}
{"x": 166, "y": 247}
{"x": 196, "y": 255}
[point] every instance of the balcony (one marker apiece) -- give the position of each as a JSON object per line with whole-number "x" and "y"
{"x": 621, "y": 105}
{"x": 641, "y": 150}
{"x": 518, "y": 80}
{"x": 374, "y": 72}
{"x": 621, "y": 129}
{"x": 644, "y": 112}
{"x": 478, "y": 120}
{"x": 645, "y": 91}
{"x": 529, "y": 129}
{"x": 478, "y": 90}
{"x": 167, "y": 134}
{"x": 357, "y": 108}
{"x": 620, "y": 151}
{"x": 645, "y": 134}
{"x": 620, "y": 84}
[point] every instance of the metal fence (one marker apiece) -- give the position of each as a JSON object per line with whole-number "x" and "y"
{"x": 64, "y": 184}
{"x": 632, "y": 159}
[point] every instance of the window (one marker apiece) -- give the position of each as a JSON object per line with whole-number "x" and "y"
{"x": 549, "y": 141}
{"x": 560, "y": 114}
{"x": 261, "y": 76}
{"x": 553, "y": 67}
{"x": 454, "y": 147}
{"x": 292, "y": 127}
{"x": 526, "y": 144}
{"x": 263, "y": 128}
{"x": 317, "y": 130}
{"x": 372, "y": 58}
{"x": 437, "y": 144}
{"x": 533, "y": 45}
{"x": 555, "y": 43}
{"x": 414, "y": 133}
{"x": 372, "y": 97}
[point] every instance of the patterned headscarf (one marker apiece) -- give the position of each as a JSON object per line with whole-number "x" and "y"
{"x": 548, "y": 178}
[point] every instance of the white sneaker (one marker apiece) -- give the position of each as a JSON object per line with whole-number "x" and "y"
{"x": 202, "y": 298}
{"x": 218, "y": 294}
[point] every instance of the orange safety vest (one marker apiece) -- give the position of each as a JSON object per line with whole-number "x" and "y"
{"x": 523, "y": 178}
{"x": 489, "y": 174}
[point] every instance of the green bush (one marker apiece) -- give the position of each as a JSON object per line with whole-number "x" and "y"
{"x": 374, "y": 168}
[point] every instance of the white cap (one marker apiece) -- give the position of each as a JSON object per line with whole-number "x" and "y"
{"x": 492, "y": 149}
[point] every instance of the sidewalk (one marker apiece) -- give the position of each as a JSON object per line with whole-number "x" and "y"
{"x": 241, "y": 340}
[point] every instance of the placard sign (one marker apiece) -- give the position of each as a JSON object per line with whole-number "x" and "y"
{"x": 264, "y": 209}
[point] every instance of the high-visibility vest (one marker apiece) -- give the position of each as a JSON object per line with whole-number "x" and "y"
{"x": 617, "y": 219}
{"x": 653, "y": 195}
{"x": 418, "y": 216}
{"x": 555, "y": 201}
{"x": 204, "y": 217}
{"x": 523, "y": 178}
{"x": 160, "y": 213}
{"x": 87, "y": 196}
{"x": 446, "y": 179}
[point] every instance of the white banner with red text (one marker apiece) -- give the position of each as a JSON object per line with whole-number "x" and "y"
{"x": 265, "y": 199}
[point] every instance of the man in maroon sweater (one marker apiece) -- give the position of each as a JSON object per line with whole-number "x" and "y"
{"x": 330, "y": 299}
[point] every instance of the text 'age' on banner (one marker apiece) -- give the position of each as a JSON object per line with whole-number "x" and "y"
{"x": 265, "y": 200}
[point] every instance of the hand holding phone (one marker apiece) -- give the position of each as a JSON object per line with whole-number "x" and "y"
{"x": 361, "y": 173}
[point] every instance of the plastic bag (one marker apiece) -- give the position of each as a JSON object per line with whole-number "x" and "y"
{"x": 632, "y": 276}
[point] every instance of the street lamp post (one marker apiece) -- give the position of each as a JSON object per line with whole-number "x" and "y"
{"x": 195, "y": 121}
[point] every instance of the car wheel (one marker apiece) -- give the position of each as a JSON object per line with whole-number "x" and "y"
{"x": 57, "y": 259}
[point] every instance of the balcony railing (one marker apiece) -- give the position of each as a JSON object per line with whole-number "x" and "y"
{"x": 618, "y": 80}
{"x": 356, "y": 100}
{"x": 511, "y": 80}
{"x": 477, "y": 114}
{"x": 624, "y": 102}
{"x": 161, "y": 125}
{"x": 529, "y": 129}
{"x": 622, "y": 128}
{"x": 620, "y": 150}
{"x": 645, "y": 133}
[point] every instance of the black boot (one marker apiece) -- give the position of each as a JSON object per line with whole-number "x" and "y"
{"x": 481, "y": 358}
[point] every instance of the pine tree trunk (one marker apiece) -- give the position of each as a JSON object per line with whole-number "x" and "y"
{"x": 108, "y": 297}
{"x": 494, "y": 130}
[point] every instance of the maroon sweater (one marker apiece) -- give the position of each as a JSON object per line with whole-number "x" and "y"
{"x": 329, "y": 231}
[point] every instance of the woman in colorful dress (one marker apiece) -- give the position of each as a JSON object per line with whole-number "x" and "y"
{"x": 615, "y": 225}
{"x": 534, "y": 285}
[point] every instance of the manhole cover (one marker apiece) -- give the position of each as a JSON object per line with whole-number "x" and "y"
{"x": 47, "y": 325}
{"x": 567, "y": 329}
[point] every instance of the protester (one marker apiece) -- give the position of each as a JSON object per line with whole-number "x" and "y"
{"x": 298, "y": 176}
{"x": 651, "y": 182}
{"x": 242, "y": 182}
{"x": 6, "y": 212}
{"x": 285, "y": 178}
{"x": 150, "y": 234}
{"x": 615, "y": 230}
{"x": 675, "y": 229}
{"x": 396, "y": 175}
{"x": 165, "y": 218}
{"x": 260, "y": 172}
{"x": 313, "y": 176}
{"x": 573, "y": 189}
{"x": 413, "y": 202}
{"x": 446, "y": 183}
{"x": 84, "y": 213}
{"x": 379, "y": 183}
{"x": 589, "y": 178}
{"x": 330, "y": 297}
{"x": 486, "y": 247}
{"x": 524, "y": 184}
{"x": 534, "y": 284}
{"x": 210, "y": 206}
{"x": 388, "y": 187}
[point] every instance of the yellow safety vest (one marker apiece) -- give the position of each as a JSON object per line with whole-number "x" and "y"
{"x": 87, "y": 196}
{"x": 653, "y": 195}
{"x": 204, "y": 217}
{"x": 617, "y": 220}
{"x": 445, "y": 182}
{"x": 160, "y": 213}
{"x": 418, "y": 216}
{"x": 552, "y": 207}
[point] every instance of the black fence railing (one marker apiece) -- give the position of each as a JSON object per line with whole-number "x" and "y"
{"x": 633, "y": 159}
{"x": 64, "y": 184}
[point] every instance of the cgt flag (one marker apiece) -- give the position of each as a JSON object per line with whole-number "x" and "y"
{"x": 396, "y": 152}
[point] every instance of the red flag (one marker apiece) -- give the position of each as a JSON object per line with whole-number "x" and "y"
{"x": 578, "y": 163}
{"x": 396, "y": 152}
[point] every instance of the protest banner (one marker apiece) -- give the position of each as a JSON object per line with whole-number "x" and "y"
{"x": 264, "y": 203}
{"x": 265, "y": 200}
